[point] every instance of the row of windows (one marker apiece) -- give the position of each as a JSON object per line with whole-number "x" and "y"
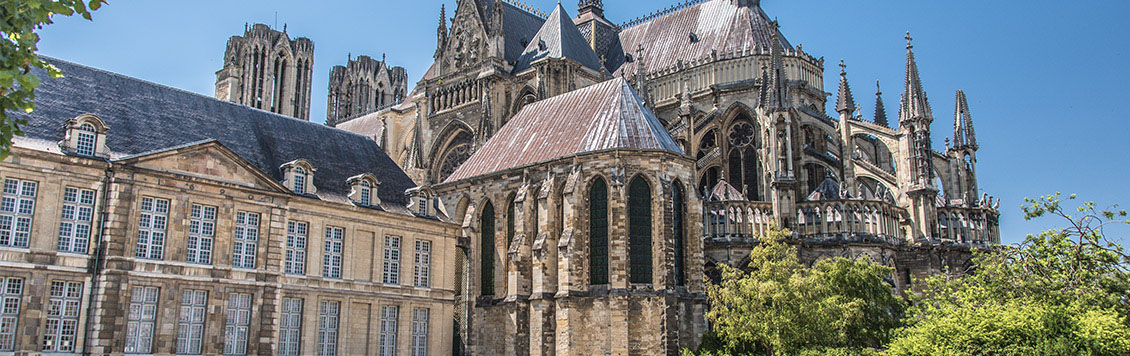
{"x": 17, "y": 207}
{"x": 60, "y": 325}
{"x": 639, "y": 234}
{"x": 237, "y": 321}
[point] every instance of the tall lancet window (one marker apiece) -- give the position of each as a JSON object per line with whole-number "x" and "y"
{"x": 486, "y": 249}
{"x": 639, "y": 230}
{"x": 598, "y": 232}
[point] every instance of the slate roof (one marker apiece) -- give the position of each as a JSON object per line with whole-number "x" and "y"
{"x": 723, "y": 191}
{"x": 604, "y": 116}
{"x": 147, "y": 117}
{"x": 719, "y": 25}
{"x": 558, "y": 38}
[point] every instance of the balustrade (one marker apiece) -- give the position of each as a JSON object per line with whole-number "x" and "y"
{"x": 962, "y": 225}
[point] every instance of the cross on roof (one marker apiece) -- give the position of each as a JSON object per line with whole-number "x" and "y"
{"x": 908, "y": 40}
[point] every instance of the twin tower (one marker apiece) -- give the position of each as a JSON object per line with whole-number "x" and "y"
{"x": 266, "y": 69}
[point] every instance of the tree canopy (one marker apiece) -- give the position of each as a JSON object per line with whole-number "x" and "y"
{"x": 1065, "y": 291}
{"x": 20, "y": 21}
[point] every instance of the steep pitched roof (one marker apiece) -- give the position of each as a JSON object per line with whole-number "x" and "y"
{"x": 558, "y": 38}
{"x": 914, "y": 103}
{"x": 718, "y": 25}
{"x": 844, "y": 100}
{"x": 599, "y": 117}
{"x": 146, "y": 117}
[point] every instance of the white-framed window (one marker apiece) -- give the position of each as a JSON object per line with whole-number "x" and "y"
{"x": 366, "y": 193}
{"x": 201, "y": 234}
{"x": 392, "y": 260}
{"x": 74, "y": 224}
{"x": 389, "y": 315}
{"x": 296, "y": 233}
{"x": 328, "y": 317}
{"x": 246, "y": 242}
{"x": 299, "y": 181}
{"x": 190, "y": 328}
{"x": 61, "y": 325}
{"x": 238, "y": 320}
{"x": 290, "y": 327}
{"x": 142, "y": 318}
{"x": 151, "y": 225}
{"x": 331, "y": 260}
{"x": 423, "y": 264}
{"x": 420, "y": 331}
{"x": 11, "y": 293}
{"x": 424, "y": 205}
{"x": 17, "y": 208}
{"x": 84, "y": 141}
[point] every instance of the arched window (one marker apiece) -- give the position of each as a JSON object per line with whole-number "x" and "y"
{"x": 598, "y": 232}
{"x": 678, "y": 214}
{"x": 299, "y": 181}
{"x": 85, "y": 141}
{"x": 486, "y": 249}
{"x": 639, "y": 230}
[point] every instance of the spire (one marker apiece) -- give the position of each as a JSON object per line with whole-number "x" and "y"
{"x": 914, "y": 106}
{"x": 880, "y": 109}
{"x": 441, "y": 31}
{"x": 844, "y": 101}
{"x": 963, "y": 135}
{"x": 776, "y": 85}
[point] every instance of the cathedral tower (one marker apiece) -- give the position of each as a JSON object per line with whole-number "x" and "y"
{"x": 265, "y": 69}
{"x": 915, "y": 117}
{"x": 362, "y": 86}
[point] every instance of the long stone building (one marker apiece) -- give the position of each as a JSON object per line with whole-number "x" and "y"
{"x": 141, "y": 219}
{"x": 513, "y": 115}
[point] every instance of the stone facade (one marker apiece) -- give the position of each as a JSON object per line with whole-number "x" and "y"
{"x": 362, "y": 86}
{"x": 265, "y": 69}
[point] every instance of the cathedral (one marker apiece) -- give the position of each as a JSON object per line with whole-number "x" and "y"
{"x": 601, "y": 170}
{"x": 556, "y": 183}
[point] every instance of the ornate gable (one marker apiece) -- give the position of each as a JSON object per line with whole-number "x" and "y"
{"x": 467, "y": 42}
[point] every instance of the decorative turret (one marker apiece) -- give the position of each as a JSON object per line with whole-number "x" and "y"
{"x": 880, "y": 109}
{"x": 915, "y": 106}
{"x": 845, "y": 104}
{"x": 776, "y": 87}
{"x": 441, "y": 32}
{"x": 596, "y": 7}
{"x": 963, "y": 135}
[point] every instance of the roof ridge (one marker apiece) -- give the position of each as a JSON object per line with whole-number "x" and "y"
{"x": 660, "y": 13}
{"x": 526, "y": 8}
{"x": 184, "y": 91}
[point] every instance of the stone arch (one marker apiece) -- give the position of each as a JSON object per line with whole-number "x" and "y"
{"x": 873, "y": 150}
{"x": 641, "y": 217}
{"x": 526, "y": 96}
{"x": 708, "y": 177}
{"x": 451, "y": 149}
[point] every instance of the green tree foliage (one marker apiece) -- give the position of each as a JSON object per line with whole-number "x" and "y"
{"x": 780, "y": 307}
{"x": 19, "y": 20}
{"x": 1063, "y": 292}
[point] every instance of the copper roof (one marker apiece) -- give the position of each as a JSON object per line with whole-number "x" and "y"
{"x": 717, "y": 25}
{"x": 604, "y": 116}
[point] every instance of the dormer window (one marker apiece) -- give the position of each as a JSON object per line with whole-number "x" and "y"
{"x": 299, "y": 177}
{"x": 364, "y": 190}
{"x": 85, "y": 136}
{"x": 421, "y": 202}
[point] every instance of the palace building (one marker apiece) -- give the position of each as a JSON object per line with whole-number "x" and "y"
{"x": 554, "y": 184}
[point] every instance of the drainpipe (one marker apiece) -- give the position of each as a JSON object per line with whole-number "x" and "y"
{"x": 95, "y": 265}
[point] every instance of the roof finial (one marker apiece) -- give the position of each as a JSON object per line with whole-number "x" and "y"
{"x": 909, "y": 41}
{"x": 843, "y": 68}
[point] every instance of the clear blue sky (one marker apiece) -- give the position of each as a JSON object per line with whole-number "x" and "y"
{"x": 1048, "y": 81}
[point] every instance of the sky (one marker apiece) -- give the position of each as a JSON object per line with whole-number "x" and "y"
{"x": 1046, "y": 80}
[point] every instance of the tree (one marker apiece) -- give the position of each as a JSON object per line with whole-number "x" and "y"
{"x": 1063, "y": 292}
{"x": 781, "y": 307}
{"x": 19, "y": 21}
